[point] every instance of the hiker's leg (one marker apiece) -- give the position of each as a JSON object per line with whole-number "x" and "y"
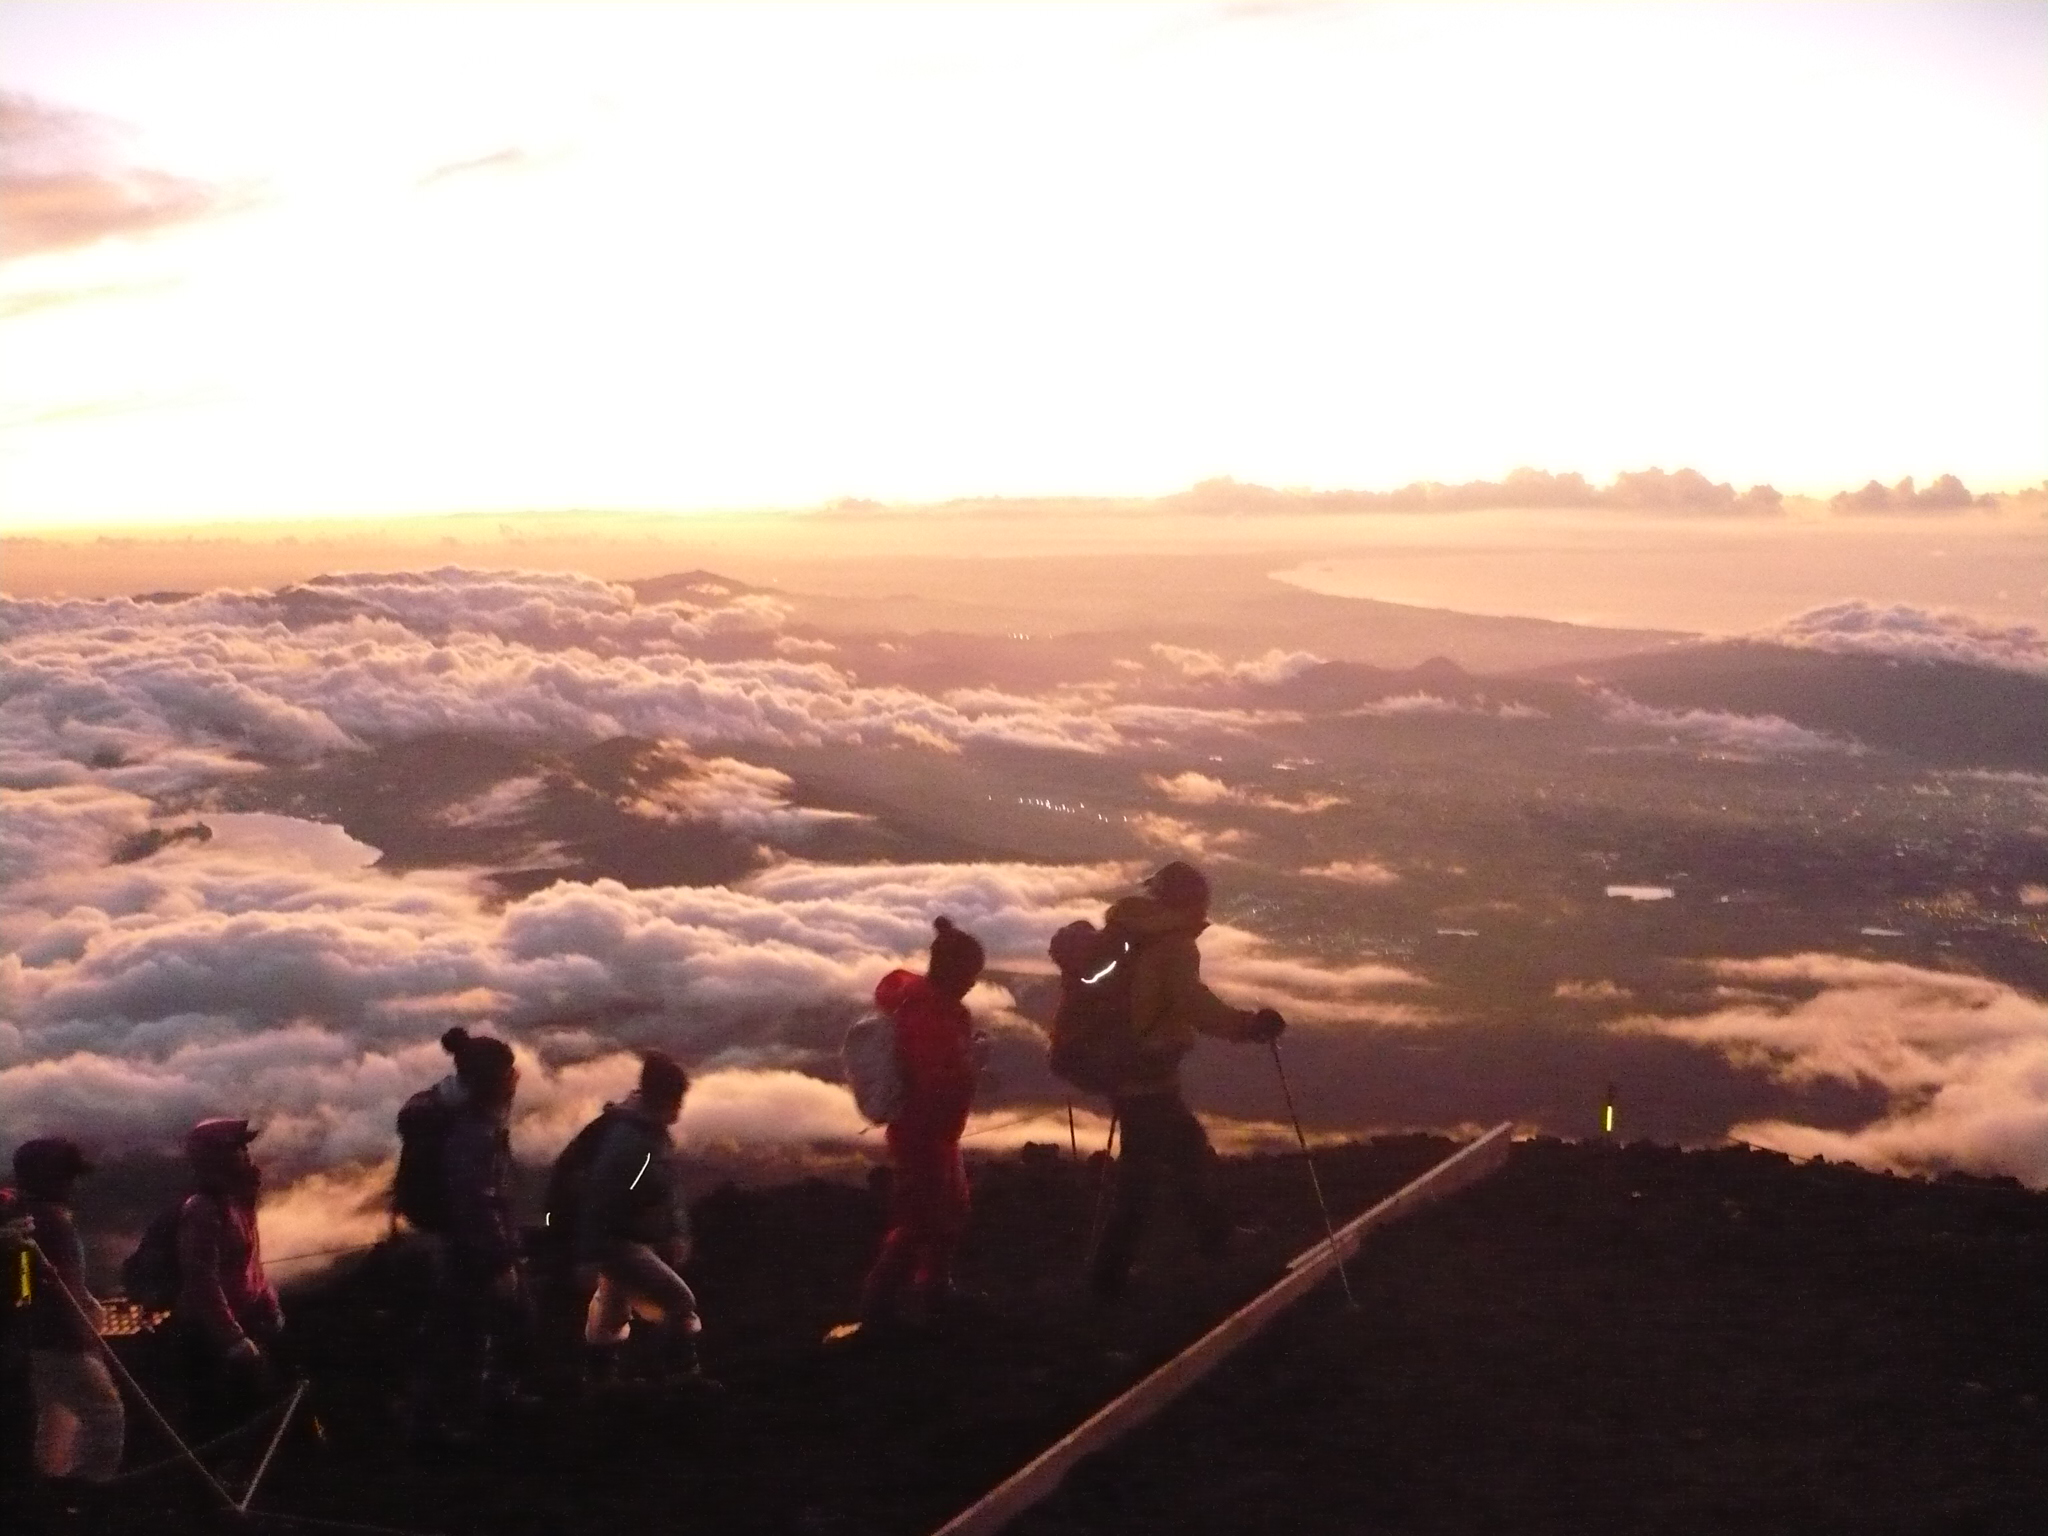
{"x": 653, "y": 1288}
{"x": 902, "y": 1253}
{"x": 463, "y": 1357}
{"x": 1146, "y": 1129}
{"x": 79, "y": 1421}
{"x": 1192, "y": 1170}
{"x": 609, "y": 1317}
{"x": 943, "y": 1220}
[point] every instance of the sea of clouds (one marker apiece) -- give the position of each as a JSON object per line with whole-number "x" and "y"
{"x": 165, "y": 695}
{"x": 274, "y": 970}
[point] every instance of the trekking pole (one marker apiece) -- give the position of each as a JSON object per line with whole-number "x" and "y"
{"x": 1073, "y": 1138}
{"x": 1315, "y": 1183}
{"x": 1101, "y": 1195}
{"x": 106, "y": 1353}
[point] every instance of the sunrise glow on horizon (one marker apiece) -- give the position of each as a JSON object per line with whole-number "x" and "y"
{"x": 305, "y": 260}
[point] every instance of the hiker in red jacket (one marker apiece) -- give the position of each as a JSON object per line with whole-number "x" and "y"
{"x": 928, "y": 1188}
{"x": 226, "y": 1315}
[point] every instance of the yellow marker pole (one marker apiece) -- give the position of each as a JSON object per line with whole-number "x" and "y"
{"x": 24, "y": 1285}
{"x": 1607, "y": 1113}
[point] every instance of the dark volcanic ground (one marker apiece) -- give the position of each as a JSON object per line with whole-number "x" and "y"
{"x": 1598, "y": 1338}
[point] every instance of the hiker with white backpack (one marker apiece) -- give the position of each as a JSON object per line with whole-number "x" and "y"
{"x": 936, "y": 1068}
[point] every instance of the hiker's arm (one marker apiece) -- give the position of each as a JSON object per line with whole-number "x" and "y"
{"x": 202, "y": 1302}
{"x": 1190, "y": 1000}
{"x": 605, "y": 1190}
{"x": 476, "y": 1205}
{"x": 57, "y": 1235}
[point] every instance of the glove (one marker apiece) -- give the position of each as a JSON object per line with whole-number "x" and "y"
{"x": 1266, "y": 1026}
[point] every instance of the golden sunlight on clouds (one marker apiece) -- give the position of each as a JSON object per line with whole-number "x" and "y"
{"x": 668, "y": 257}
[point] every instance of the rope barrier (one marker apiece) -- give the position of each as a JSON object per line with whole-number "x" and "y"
{"x": 135, "y": 1474}
{"x": 1004, "y": 1125}
{"x": 319, "y": 1253}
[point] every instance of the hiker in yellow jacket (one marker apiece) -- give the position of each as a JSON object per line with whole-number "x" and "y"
{"x": 1164, "y": 1145}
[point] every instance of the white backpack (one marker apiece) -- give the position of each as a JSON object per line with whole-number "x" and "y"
{"x": 869, "y": 1053}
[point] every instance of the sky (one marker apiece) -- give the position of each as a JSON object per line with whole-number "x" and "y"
{"x": 296, "y": 260}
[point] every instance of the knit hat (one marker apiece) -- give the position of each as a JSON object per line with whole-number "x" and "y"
{"x": 480, "y": 1061}
{"x": 662, "y": 1077}
{"x": 955, "y": 952}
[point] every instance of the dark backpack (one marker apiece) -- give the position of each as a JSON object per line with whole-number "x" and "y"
{"x": 567, "y": 1178}
{"x": 151, "y": 1276}
{"x": 1094, "y": 1045}
{"x": 419, "y": 1190}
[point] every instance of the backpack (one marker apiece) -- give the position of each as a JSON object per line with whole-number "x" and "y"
{"x": 872, "y": 1070}
{"x": 1093, "y": 1043}
{"x": 151, "y": 1276}
{"x": 419, "y": 1190}
{"x": 566, "y": 1179}
{"x": 17, "y": 1284}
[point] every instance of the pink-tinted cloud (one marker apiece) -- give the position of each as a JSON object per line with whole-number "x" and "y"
{"x": 65, "y": 184}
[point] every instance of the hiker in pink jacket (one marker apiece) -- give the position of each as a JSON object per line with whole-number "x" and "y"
{"x": 227, "y": 1315}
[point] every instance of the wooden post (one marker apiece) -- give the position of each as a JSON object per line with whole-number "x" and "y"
{"x": 1024, "y": 1488}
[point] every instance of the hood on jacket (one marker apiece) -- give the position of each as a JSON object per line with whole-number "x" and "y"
{"x": 897, "y": 988}
{"x": 1147, "y": 917}
{"x": 633, "y": 1107}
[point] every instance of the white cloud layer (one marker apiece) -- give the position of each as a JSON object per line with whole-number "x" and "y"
{"x": 1964, "y": 1060}
{"x": 1717, "y": 730}
{"x": 1916, "y": 634}
{"x": 1275, "y": 666}
{"x": 1355, "y": 872}
{"x": 1192, "y": 788}
{"x": 160, "y": 696}
{"x": 271, "y": 972}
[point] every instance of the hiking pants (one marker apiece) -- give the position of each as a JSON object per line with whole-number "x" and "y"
{"x": 928, "y": 1206}
{"x": 79, "y": 1419}
{"x": 222, "y": 1396}
{"x": 472, "y": 1338}
{"x": 635, "y": 1281}
{"x": 1164, "y": 1147}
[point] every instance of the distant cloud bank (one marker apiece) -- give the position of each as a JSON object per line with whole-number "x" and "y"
{"x": 1681, "y": 492}
{"x": 1945, "y": 494}
{"x": 1914, "y": 634}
